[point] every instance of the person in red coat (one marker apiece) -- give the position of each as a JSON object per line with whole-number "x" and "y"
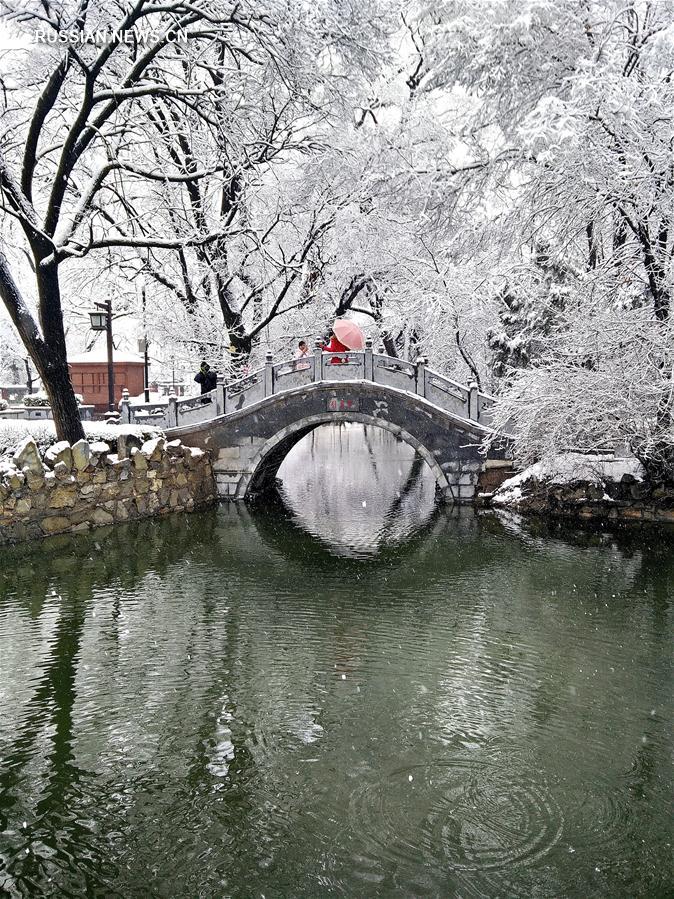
{"x": 335, "y": 346}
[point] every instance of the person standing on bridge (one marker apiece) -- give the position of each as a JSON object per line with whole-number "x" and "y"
{"x": 208, "y": 380}
{"x": 302, "y": 356}
{"x": 335, "y": 345}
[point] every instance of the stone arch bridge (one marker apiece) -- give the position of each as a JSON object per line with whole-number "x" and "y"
{"x": 250, "y": 425}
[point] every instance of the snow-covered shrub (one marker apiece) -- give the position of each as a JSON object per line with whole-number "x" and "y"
{"x": 3, "y": 405}
{"x": 604, "y": 381}
{"x": 41, "y": 399}
{"x": 36, "y": 400}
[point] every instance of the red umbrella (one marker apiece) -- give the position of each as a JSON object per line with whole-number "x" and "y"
{"x": 348, "y": 333}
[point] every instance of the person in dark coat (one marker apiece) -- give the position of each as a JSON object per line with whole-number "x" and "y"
{"x": 207, "y": 378}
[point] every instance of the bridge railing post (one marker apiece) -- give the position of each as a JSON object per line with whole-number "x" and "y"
{"x": 172, "y": 410}
{"x": 421, "y": 363}
{"x": 125, "y": 408}
{"x": 473, "y": 409}
{"x": 268, "y": 373}
{"x": 220, "y": 394}
{"x": 368, "y": 362}
{"x": 318, "y": 361}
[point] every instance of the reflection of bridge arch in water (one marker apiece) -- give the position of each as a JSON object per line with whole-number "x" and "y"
{"x": 248, "y": 446}
{"x": 265, "y": 464}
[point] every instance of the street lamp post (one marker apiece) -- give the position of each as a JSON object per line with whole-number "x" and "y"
{"x": 102, "y": 321}
{"x": 143, "y": 347}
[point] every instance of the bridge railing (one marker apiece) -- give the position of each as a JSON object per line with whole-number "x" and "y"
{"x": 394, "y": 372}
{"x": 352, "y": 365}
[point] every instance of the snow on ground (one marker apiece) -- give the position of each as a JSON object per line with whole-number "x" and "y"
{"x": 44, "y": 434}
{"x": 567, "y": 468}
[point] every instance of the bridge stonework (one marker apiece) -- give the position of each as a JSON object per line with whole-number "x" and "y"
{"x": 248, "y": 446}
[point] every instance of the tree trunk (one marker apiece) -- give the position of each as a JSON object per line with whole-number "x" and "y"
{"x": 54, "y": 368}
{"x": 59, "y": 389}
{"x": 240, "y": 349}
{"x": 389, "y": 344}
{"x": 47, "y": 350}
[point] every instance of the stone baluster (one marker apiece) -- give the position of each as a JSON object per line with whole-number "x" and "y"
{"x": 125, "y": 407}
{"x": 318, "y": 361}
{"x": 473, "y": 399}
{"x": 368, "y": 362}
{"x": 421, "y": 364}
{"x": 268, "y": 373}
{"x": 172, "y": 408}
{"x": 220, "y": 395}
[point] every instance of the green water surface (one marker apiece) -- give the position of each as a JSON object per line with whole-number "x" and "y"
{"x": 351, "y": 694}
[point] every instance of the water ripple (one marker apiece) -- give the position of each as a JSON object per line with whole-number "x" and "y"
{"x": 467, "y": 813}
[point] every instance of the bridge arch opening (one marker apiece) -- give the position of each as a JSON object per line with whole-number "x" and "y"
{"x": 264, "y": 466}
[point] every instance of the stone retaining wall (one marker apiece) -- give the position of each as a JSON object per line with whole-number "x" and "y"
{"x": 629, "y": 499}
{"x": 87, "y": 485}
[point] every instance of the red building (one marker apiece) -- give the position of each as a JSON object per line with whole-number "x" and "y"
{"x": 89, "y": 374}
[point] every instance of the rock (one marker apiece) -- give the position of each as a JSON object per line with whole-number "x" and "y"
{"x": 639, "y": 490}
{"x": 59, "y": 452}
{"x": 62, "y": 497}
{"x": 61, "y": 471}
{"x": 23, "y": 506}
{"x": 54, "y": 524}
{"x": 154, "y": 449}
{"x": 81, "y": 527}
{"x": 16, "y": 480}
{"x": 101, "y": 517}
{"x": 27, "y": 456}
{"x": 595, "y": 492}
{"x": 126, "y": 443}
{"x": 81, "y": 452}
{"x": 123, "y": 446}
{"x": 34, "y": 479}
{"x": 193, "y": 455}
{"x": 99, "y": 450}
{"x": 138, "y": 460}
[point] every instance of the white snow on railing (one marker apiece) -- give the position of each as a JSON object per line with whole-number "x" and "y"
{"x": 280, "y": 377}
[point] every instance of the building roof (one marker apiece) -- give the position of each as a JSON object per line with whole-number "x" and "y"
{"x": 100, "y": 357}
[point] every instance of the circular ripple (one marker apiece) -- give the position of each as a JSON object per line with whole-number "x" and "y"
{"x": 488, "y": 818}
{"x": 601, "y": 817}
{"x": 460, "y": 814}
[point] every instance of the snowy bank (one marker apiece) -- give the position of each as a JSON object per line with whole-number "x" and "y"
{"x": 581, "y": 486}
{"x": 569, "y": 468}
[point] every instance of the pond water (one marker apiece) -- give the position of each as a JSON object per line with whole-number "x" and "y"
{"x": 354, "y": 693}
